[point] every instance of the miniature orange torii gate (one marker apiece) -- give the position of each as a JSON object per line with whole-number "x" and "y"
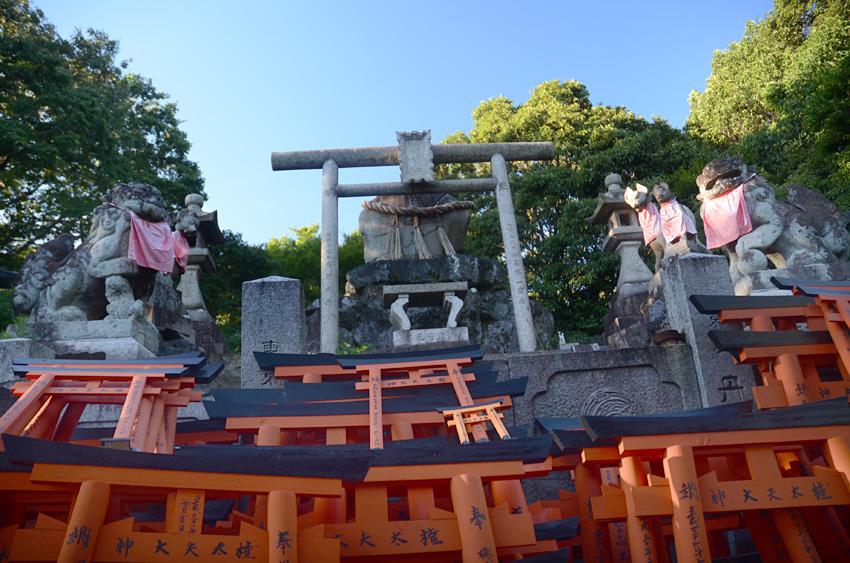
{"x": 496, "y": 153}
{"x": 52, "y": 401}
{"x": 686, "y": 496}
{"x": 788, "y": 360}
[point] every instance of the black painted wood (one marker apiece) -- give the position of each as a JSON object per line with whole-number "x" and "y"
{"x": 345, "y": 390}
{"x": 713, "y": 304}
{"x": 440, "y": 450}
{"x": 423, "y": 401}
{"x": 791, "y": 283}
{"x": 734, "y": 340}
{"x": 568, "y": 424}
{"x": 304, "y": 461}
{"x": 268, "y": 361}
{"x": 189, "y": 359}
{"x": 823, "y": 413}
{"x": 208, "y": 372}
{"x": 190, "y": 426}
{"x": 445, "y": 354}
{"x": 169, "y": 372}
{"x": 831, "y": 292}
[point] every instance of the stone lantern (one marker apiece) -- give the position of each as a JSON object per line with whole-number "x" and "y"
{"x": 624, "y": 237}
{"x": 201, "y": 230}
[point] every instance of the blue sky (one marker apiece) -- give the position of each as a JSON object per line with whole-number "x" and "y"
{"x": 255, "y": 77}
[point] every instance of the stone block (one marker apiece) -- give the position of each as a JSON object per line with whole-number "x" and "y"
{"x": 272, "y": 321}
{"x": 457, "y": 336}
{"x": 102, "y": 348}
{"x": 758, "y": 283}
{"x": 68, "y": 332}
{"x": 720, "y": 380}
{"x": 19, "y": 348}
{"x": 603, "y": 382}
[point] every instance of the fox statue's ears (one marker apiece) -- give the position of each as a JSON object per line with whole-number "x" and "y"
{"x": 641, "y": 188}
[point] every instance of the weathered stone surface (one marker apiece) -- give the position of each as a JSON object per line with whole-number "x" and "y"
{"x": 487, "y": 312}
{"x": 806, "y": 230}
{"x": 759, "y": 283}
{"x": 272, "y": 321}
{"x": 19, "y": 348}
{"x": 682, "y": 277}
{"x": 431, "y": 337}
{"x": 377, "y": 227}
{"x": 611, "y": 382}
{"x": 80, "y": 336}
{"x": 97, "y": 279}
{"x": 480, "y": 273}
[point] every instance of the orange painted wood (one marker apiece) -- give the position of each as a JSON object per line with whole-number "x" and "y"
{"x": 632, "y": 445}
{"x": 413, "y": 382}
{"x": 156, "y": 424}
{"x": 91, "y": 374}
{"x": 186, "y": 513}
{"x": 689, "y": 531}
{"x": 332, "y": 370}
{"x": 770, "y": 352}
{"x": 45, "y": 420}
{"x": 376, "y": 422}
{"x": 509, "y": 492}
{"x": 13, "y": 419}
{"x": 437, "y": 473}
{"x": 595, "y": 538}
{"x": 473, "y": 519}
{"x": 403, "y": 538}
{"x": 643, "y": 546}
{"x": 131, "y": 408}
{"x": 85, "y": 522}
{"x": 138, "y": 435}
{"x": 420, "y": 501}
{"x": 167, "y": 479}
{"x": 370, "y": 502}
{"x": 283, "y": 529}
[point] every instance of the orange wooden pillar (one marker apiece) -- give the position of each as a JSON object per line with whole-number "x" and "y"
{"x": 402, "y": 431}
{"x": 139, "y": 433}
{"x": 595, "y": 539}
{"x": 786, "y": 367}
{"x": 267, "y": 435}
{"x": 689, "y": 532}
{"x": 44, "y": 422}
{"x": 156, "y": 424}
{"x": 16, "y": 418}
{"x": 376, "y": 417}
{"x": 283, "y": 526}
{"x": 642, "y": 541}
{"x": 509, "y": 491}
{"x": 331, "y": 510}
{"x": 85, "y": 522}
{"x": 473, "y": 519}
{"x": 763, "y": 466}
{"x": 132, "y": 404}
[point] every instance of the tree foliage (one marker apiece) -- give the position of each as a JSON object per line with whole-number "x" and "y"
{"x": 300, "y": 257}
{"x": 296, "y": 257}
{"x": 566, "y": 267}
{"x": 781, "y": 97}
{"x": 73, "y": 123}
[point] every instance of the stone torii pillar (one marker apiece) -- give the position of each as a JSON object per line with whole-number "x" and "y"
{"x": 330, "y": 161}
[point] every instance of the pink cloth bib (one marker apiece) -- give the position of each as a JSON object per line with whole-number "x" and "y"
{"x": 151, "y": 244}
{"x": 650, "y": 222}
{"x": 726, "y": 218}
{"x": 181, "y": 250}
{"x": 674, "y": 221}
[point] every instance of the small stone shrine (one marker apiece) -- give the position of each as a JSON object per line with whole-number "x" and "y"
{"x": 417, "y": 219}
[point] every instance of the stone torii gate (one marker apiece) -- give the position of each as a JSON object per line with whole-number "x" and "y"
{"x": 330, "y": 161}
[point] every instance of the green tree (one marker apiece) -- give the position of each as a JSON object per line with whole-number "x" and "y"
{"x": 236, "y": 262}
{"x": 779, "y": 97}
{"x": 73, "y": 123}
{"x": 566, "y": 267}
{"x": 300, "y": 257}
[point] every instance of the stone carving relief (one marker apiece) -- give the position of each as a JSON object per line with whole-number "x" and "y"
{"x": 608, "y": 402}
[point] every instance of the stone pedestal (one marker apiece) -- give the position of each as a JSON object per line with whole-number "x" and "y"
{"x": 758, "y": 283}
{"x": 272, "y": 321}
{"x": 110, "y": 339}
{"x": 720, "y": 380}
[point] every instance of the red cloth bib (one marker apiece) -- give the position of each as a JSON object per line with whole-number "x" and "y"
{"x": 151, "y": 244}
{"x": 726, "y": 218}
{"x": 675, "y": 222}
{"x": 650, "y": 222}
